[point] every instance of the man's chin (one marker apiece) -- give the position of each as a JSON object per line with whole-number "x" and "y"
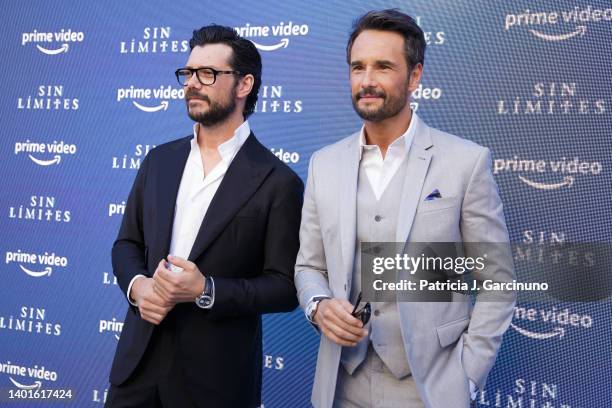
{"x": 371, "y": 115}
{"x": 196, "y": 117}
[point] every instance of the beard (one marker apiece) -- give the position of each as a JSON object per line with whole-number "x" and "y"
{"x": 217, "y": 111}
{"x": 391, "y": 105}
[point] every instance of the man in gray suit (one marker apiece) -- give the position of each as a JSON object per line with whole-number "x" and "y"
{"x": 397, "y": 180}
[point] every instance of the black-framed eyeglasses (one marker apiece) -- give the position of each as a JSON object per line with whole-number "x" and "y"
{"x": 362, "y": 313}
{"x": 206, "y": 75}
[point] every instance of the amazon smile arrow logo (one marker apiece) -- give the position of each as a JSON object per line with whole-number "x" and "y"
{"x": 282, "y": 44}
{"x": 162, "y": 106}
{"x": 580, "y": 30}
{"x": 63, "y": 48}
{"x": 567, "y": 181}
{"x": 45, "y": 272}
{"x": 557, "y": 331}
{"x": 37, "y": 384}
{"x": 56, "y": 160}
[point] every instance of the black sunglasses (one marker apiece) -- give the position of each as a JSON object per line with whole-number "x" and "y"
{"x": 363, "y": 313}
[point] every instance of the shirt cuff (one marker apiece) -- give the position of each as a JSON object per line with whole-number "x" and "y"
{"x": 130, "y": 289}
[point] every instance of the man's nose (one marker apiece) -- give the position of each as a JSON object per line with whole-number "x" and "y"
{"x": 369, "y": 79}
{"x": 193, "y": 81}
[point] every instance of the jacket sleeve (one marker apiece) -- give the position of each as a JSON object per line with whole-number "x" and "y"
{"x": 311, "y": 266}
{"x": 483, "y": 226}
{"x": 129, "y": 250}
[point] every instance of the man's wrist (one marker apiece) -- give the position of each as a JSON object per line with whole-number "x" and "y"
{"x": 199, "y": 289}
{"x": 312, "y": 306}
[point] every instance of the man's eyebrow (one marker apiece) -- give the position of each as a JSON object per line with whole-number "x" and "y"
{"x": 385, "y": 62}
{"x": 201, "y": 66}
{"x": 377, "y": 62}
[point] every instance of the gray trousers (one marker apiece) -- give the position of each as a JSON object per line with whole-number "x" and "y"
{"x": 372, "y": 385}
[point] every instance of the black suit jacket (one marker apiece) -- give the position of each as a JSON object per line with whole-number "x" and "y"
{"x": 247, "y": 242}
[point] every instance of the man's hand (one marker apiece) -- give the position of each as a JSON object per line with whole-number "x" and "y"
{"x": 152, "y": 307}
{"x": 177, "y": 287}
{"x": 333, "y": 316}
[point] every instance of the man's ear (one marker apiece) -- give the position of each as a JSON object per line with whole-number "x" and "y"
{"x": 245, "y": 85}
{"x": 414, "y": 78}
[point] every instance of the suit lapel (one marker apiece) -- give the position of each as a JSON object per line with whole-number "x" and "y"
{"x": 348, "y": 208}
{"x": 170, "y": 174}
{"x": 419, "y": 158}
{"x": 242, "y": 179}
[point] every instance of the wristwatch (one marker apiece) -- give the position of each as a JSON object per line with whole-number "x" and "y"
{"x": 207, "y": 298}
{"x": 311, "y": 308}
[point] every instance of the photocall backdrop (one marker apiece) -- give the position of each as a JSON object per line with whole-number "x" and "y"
{"x": 88, "y": 89}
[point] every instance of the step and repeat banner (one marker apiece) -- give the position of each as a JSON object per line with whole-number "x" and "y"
{"x": 89, "y": 89}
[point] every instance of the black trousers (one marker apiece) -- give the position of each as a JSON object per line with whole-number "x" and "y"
{"x": 157, "y": 381}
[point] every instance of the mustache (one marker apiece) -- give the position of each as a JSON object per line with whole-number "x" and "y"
{"x": 194, "y": 95}
{"x": 369, "y": 92}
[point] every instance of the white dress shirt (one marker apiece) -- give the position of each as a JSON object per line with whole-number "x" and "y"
{"x": 196, "y": 192}
{"x": 381, "y": 170}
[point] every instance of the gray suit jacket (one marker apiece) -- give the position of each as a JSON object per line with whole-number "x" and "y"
{"x": 446, "y": 343}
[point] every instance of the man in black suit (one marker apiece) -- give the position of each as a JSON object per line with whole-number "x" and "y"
{"x": 207, "y": 244}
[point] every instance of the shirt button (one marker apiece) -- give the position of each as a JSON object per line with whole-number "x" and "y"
{"x": 376, "y": 312}
{"x": 377, "y": 218}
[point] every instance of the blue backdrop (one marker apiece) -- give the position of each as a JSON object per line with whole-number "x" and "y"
{"x": 88, "y": 88}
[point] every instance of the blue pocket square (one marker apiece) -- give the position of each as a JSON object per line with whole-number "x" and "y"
{"x": 433, "y": 195}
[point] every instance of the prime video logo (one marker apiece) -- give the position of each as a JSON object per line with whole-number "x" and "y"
{"x": 279, "y": 30}
{"x": 57, "y": 149}
{"x": 560, "y": 319}
{"x": 567, "y": 168}
{"x": 577, "y": 18}
{"x": 112, "y": 326}
{"x": 163, "y": 92}
{"x": 48, "y": 42}
{"x": 31, "y": 263}
{"x": 37, "y": 373}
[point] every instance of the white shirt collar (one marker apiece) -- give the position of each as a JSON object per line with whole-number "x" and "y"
{"x": 407, "y": 137}
{"x": 229, "y": 148}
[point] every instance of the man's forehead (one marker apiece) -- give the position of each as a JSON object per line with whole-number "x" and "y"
{"x": 377, "y": 45}
{"x": 217, "y": 55}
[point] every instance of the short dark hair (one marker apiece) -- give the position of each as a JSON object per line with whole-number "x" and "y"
{"x": 245, "y": 57}
{"x": 395, "y": 21}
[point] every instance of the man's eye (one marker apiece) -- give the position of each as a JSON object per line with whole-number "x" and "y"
{"x": 206, "y": 73}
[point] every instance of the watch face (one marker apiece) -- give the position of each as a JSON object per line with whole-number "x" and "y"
{"x": 204, "y": 301}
